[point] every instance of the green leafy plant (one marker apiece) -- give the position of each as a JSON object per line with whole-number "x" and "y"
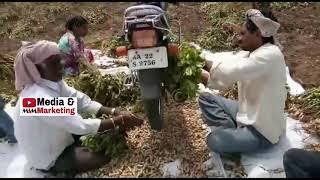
{"x": 288, "y": 100}
{"x": 112, "y": 142}
{"x": 87, "y": 82}
{"x": 137, "y": 107}
{"x": 184, "y": 71}
{"x": 109, "y": 47}
{"x": 224, "y": 19}
{"x": 95, "y": 15}
{"x": 109, "y": 90}
{"x": 286, "y": 5}
{"x": 112, "y": 92}
{"x": 311, "y": 99}
{"x": 6, "y": 67}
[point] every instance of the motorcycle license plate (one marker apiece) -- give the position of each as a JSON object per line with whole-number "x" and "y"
{"x": 149, "y": 58}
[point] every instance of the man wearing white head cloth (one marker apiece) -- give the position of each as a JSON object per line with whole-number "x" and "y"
{"x": 48, "y": 141}
{"x": 257, "y": 120}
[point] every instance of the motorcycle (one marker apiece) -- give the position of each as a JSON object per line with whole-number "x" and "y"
{"x": 146, "y": 29}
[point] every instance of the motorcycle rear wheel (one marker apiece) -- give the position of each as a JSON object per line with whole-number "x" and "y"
{"x": 154, "y": 109}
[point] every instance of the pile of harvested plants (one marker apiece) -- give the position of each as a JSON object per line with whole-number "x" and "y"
{"x": 112, "y": 142}
{"x": 109, "y": 47}
{"x": 109, "y": 90}
{"x": 184, "y": 71}
{"x": 306, "y": 108}
{"x": 225, "y": 18}
{"x": 6, "y": 67}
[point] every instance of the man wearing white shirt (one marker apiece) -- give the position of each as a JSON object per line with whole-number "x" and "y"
{"x": 47, "y": 141}
{"x": 257, "y": 119}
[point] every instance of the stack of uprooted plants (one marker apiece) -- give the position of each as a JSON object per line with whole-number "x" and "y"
{"x": 306, "y": 108}
{"x": 6, "y": 66}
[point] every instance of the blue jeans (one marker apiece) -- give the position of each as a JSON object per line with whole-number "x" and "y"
{"x": 229, "y": 137}
{"x": 299, "y": 163}
{"x": 6, "y": 124}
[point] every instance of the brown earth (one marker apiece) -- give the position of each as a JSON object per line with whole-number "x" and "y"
{"x": 299, "y": 33}
{"x": 300, "y": 36}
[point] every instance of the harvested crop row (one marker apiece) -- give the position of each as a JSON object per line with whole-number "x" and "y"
{"x": 306, "y": 108}
{"x": 183, "y": 138}
{"x": 6, "y": 66}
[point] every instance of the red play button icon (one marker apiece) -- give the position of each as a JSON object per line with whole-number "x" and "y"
{"x": 29, "y": 102}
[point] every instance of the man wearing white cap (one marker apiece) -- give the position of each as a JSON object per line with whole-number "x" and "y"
{"x": 47, "y": 141}
{"x": 257, "y": 119}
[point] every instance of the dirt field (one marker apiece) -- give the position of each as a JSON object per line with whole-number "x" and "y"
{"x": 300, "y": 36}
{"x": 299, "y": 33}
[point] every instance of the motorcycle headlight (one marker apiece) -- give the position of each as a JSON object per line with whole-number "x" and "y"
{"x": 144, "y": 38}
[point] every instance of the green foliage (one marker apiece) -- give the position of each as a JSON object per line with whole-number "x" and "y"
{"x": 25, "y": 20}
{"x": 288, "y": 100}
{"x": 287, "y": 87}
{"x": 311, "y": 99}
{"x": 6, "y": 67}
{"x": 95, "y": 15}
{"x": 223, "y": 18}
{"x": 286, "y": 5}
{"x": 109, "y": 47}
{"x": 109, "y": 90}
{"x": 29, "y": 19}
{"x": 112, "y": 92}
{"x": 6, "y": 72}
{"x": 112, "y": 143}
{"x": 173, "y": 38}
{"x": 184, "y": 71}
{"x": 138, "y": 107}
{"x": 87, "y": 82}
